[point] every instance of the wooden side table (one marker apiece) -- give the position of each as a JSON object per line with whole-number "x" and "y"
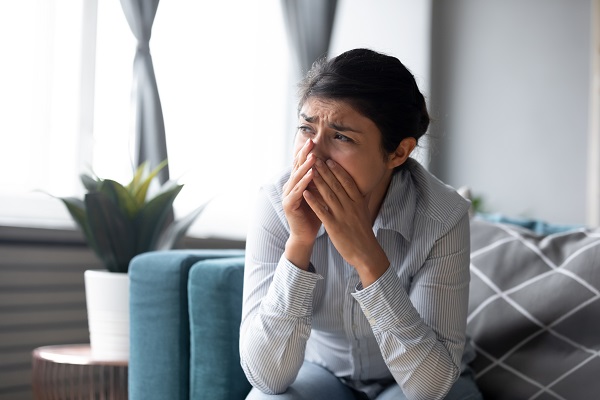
{"x": 70, "y": 372}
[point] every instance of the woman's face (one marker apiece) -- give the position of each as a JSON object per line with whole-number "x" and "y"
{"x": 352, "y": 140}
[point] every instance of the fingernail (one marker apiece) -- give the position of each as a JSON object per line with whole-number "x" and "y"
{"x": 319, "y": 162}
{"x": 330, "y": 163}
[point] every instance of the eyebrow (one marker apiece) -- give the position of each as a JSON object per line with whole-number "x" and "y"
{"x": 333, "y": 125}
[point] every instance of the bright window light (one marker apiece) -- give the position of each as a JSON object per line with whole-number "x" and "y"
{"x": 222, "y": 74}
{"x": 40, "y": 43}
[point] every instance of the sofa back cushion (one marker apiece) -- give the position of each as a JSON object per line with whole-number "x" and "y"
{"x": 533, "y": 312}
{"x": 215, "y": 307}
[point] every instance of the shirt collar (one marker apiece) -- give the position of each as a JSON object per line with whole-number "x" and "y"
{"x": 398, "y": 208}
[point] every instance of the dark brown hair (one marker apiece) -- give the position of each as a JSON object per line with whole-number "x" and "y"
{"x": 376, "y": 85}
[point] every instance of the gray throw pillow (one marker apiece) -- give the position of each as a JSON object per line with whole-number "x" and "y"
{"x": 534, "y": 312}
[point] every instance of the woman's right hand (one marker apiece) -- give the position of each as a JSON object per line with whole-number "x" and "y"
{"x": 304, "y": 223}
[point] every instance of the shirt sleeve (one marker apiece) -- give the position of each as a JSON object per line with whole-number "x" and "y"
{"x": 421, "y": 334}
{"x": 277, "y": 305}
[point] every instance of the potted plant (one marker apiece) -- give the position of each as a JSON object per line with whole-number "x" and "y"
{"x": 119, "y": 222}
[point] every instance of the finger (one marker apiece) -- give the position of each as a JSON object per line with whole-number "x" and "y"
{"x": 344, "y": 179}
{"x": 314, "y": 190}
{"x": 328, "y": 195}
{"x": 317, "y": 205}
{"x": 294, "y": 197}
{"x": 302, "y": 154}
{"x": 298, "y": 174}
{"x": 299, "y": 160}
{"x": 335, "y": 187}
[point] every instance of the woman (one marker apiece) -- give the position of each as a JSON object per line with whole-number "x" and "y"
{"x": 357, "y": 266}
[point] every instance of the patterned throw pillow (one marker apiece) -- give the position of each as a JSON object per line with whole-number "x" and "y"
{"x": 534, "y": 312}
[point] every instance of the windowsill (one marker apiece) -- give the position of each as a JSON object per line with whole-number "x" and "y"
{"x": 222, "y": 223}
{"x": 73, "y": 237}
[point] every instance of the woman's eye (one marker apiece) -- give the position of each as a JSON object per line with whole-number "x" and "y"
{"x": 342, "y": 138}
{"x": 305, "y": 129}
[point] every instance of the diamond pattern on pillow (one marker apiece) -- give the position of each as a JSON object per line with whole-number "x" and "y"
{"x": 533, "y": 312}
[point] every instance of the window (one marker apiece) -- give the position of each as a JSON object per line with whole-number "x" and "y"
{"x": 222, "y": 74}
{"x": 40, "y": 43}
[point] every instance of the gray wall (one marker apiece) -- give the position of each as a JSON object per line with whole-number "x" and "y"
{"x": 508, "y": 84}
{"x": 510, "y": 87}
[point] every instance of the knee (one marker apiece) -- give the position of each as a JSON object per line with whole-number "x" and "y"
{"x": 256, "y": 394}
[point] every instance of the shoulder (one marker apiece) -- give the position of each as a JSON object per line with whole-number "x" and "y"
{"x": 273, "y": 190}
{"x": 435, "y": 200}
{"x": 269, "y": 201}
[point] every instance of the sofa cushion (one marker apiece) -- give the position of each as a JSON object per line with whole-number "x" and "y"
{"x": 533, "y": 311}
{"x": 215, "y": 308}
{"x": 539, "y": 226}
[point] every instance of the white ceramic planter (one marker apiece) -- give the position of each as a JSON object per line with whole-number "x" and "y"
{"x": 107, "y": 298}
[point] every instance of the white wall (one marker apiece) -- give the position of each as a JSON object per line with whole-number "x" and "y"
{"x": 510, "y": 91}
{"x": 400, "y": 28}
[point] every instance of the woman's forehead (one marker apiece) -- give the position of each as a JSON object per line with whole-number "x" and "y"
{"x": 318, "y": 107}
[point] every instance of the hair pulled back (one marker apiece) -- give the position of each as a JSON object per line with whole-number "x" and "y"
{"x": 376, "y": 85}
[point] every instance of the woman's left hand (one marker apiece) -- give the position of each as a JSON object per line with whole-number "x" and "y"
{"x": 344, "y": 212}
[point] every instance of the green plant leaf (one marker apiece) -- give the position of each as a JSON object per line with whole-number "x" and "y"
{"x": 171, "y": 235}
{"x": 90, "y": 183}
{"x": 76, "y": 207}
{"x": 150, "y": 221}
{"x": 159, "y": 167}
{"x": 168, "y": 185}
{"x": 137, "y": 177}
{"x": 112, "y": 231}
{"x": 140, "y": 189}
{"x": 120, "y": 222}
{"x": 119, "y": 195}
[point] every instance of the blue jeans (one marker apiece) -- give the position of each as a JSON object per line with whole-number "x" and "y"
{"x": 316, "y": 383}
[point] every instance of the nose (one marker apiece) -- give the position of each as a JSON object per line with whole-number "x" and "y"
{"x": 320, "y": 149}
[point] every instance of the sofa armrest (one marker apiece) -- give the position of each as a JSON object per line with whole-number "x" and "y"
{"x": 159, "y": 322}
{"x": 215, "y": 301}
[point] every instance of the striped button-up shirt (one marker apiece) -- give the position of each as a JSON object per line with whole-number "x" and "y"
{"x": 408, "y": 326}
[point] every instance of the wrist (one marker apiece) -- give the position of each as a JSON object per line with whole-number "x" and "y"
{"x": 298, "y": 252}
{"x": 370, "y": 268}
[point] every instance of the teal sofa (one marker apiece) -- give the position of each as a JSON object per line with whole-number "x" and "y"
{"x": 533, "y": 310}
{"x": 185, "y": 308}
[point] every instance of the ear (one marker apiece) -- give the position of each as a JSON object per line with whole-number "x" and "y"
{"x": 398, "y": 157}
